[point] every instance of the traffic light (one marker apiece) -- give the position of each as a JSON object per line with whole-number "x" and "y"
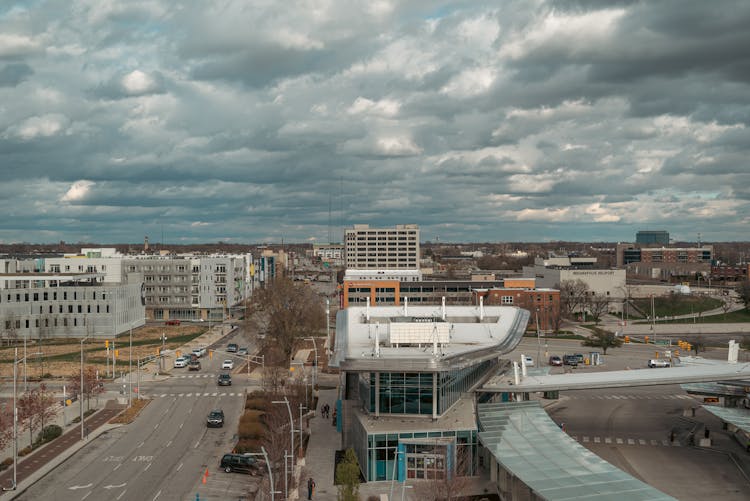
{"x": 106, "y": 343}
{"x": 210, "y": 354}
{"x": 645, "y": 339}
{"x": 117, "y": 353}
{"x": 627, "y": 339}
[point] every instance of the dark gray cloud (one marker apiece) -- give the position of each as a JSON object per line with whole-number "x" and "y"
{"x": 540, "y": 120}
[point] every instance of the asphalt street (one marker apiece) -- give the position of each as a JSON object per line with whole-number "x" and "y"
{"x": 165, "y": 453}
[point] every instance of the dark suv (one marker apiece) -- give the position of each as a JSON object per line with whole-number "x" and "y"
{"x": 570, "y": 360}
{"x": 241, "y": 463}
{"x": 232, "y": 348}
{"x": 225, "y": 380}
{"x": 215, "y": 419}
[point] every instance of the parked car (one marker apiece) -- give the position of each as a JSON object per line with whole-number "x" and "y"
{"x": 579, "y": 357}
{"x": 570, "y": 360}
{"x": 556, "y": 361}
{"x": 227, "y": 364}
{"x": 242, "y": 351}
{"x": 180, "y": 362}
{"x": 172, "y": 322}
{"x": 658, "y": 362}
{"x": 241, "y": 463}
{"x": 528, "y": 361}
{"x": 215, "y": 419}
{"x": 225, "y": 380}
{"x": 232, "y": 348}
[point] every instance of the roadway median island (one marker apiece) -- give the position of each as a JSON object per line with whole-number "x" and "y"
{"x": 131, "y": 413}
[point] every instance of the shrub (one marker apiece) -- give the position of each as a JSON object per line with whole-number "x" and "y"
{"x": 6, "y": 463}
{"x": 48, "y": 434}
{"x": 25, "y": 450}
{"x": 76, "y": 419}
{"x": 251, "y": 430}
{"x": 256, "y": 403}
{"x": 248, "y": 445}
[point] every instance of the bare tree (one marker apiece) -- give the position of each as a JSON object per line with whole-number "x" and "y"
{"x": 573, "y": 295}
{"x": 34, "y": 409}
{"x": 602, "y": 339}
{"x": 6, "y": 426}
{"x": 285, "y": 311}
{"x": 697, "y": 343}
{"x": 598, "y": 305}
{"x": 743, "y": 290}
{"x": 91, "y": 384}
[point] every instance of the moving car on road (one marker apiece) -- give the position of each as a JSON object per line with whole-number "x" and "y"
{"x": 194, "y": 364}
{"x": 242, "y": 351}
{"x": 528, "y": 361}
{"x": 180, "y": 362}
{"x": 227, "y": 364}
{"x": 224, "y": 380}
{"x": 232, "y": 348}
{"x": 215, "y": 419}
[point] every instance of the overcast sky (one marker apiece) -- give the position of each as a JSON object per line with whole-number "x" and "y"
{"x": 253, "y": 121}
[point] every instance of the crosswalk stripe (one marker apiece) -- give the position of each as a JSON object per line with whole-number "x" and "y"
{"x": 619, "y": 441}
{"x": 607, "y": 440}
{"x": 631, "y": 441}
{"x": 213, "y": 394}
{"x": 654, "y": 442}
{"x": 189, "y": 395}
{"x": 597, "y": 440}
{"x": 223, "y": 395}
{"x": 641, "y": 441}
{"x": 163, "y": 395}
{"x": 585, "y": 439}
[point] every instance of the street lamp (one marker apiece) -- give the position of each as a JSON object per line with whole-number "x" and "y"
{"x": 130, "y": 364}
{"x": 328, "y": 324}
{"x": 291, "y": 428}
{"x": 315, "y": 369}
{"x": 538, "y": 341}
{"x": 80, "y": 392}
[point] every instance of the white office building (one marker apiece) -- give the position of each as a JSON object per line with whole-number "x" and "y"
{"x": 382, "y": 248}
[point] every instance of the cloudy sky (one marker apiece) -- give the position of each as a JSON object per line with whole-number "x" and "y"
{"x": 253, "y": 121}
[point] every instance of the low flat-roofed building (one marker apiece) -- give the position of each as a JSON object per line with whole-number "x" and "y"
{"x": 408, "y": 374}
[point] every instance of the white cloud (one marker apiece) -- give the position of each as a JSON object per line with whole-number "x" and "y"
{"x": 12, "y": 45}
{"x": 397, "y": 146}
{"x": 470, "y": 82}
{"x": 39, "y": 126}
{"x": 137, "y": 82}
{"x": 383, "y": 107}
{"x": 78, "y": 191}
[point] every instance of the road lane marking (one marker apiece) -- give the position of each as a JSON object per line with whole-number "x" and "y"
{"x": 181, "y": 425}
{"x": 179, "y": 467}
{"x": 631, "y": 441}
{"x": 76, "y": 487}
{"x": 641, "y": 441}
{"x": 213, "y": 394}
{"x": 147, "y": 466}
{"x": 141, "y": 444}
{"x": 619, "y": 441}
{"x": 608, "y": 440}
{"x": 122, "y": 494}
{"x": 157, "y": 495}
{"x": 169, "y": 443}
{"x": 197, "y": 444}
{"x": 156, "y": 425}
{"x": 585, "y": 439}
{"x": 597, "y": 440}
{"x": 117, "y": 466}
{"x": 87, "y": 495}
{"x": 189, "y": 395}
{"x": 206, "y": 394}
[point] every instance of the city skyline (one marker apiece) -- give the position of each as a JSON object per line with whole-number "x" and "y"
{"x": 480, "y": 122}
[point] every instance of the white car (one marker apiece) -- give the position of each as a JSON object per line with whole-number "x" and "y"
{"x": 199, "y": 352}
{"x": 180, "y": 362}
{"x": 528, "y": 361}
{"x": 227, "y": 364}
{"x": 658, "y": 362}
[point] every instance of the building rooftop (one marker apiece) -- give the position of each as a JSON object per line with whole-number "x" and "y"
{"x": 424, "y": 338}
{"x": 458, "y": 417}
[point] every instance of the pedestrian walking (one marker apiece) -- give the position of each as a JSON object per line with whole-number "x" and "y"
{"x": 334, "y": 417}
{"x": 310, "y": 488}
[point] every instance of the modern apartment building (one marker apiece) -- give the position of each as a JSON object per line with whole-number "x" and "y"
{"x": 189, "y": 287}
{"x": 50, "y": 305}
{"x": 382, "y": 248}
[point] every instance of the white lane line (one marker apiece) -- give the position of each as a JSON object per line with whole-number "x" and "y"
{"x": 117, "y": 466}
{"x": 122, "y": 494}
{"x": 213, "y": 394}
{"x": 163, "y": 395}
{"x": 87, "y": 495}
{"x": 147, "y": 466}
{"x": 181, "y": 425}
{"x": 169, "y": 443}
{"x": 179, "y": 467}
{"x": 608, "y": 440}
{"x": 631, "y": 441}
{"x": 197, "y": 444}
{"x": 223, "y": 395}
{"x": 181, "y": 395}
{"x": 641, "y": 441}
{"x": 206, "y": 394}
{"x": 597, "y": 440}
{"x": 189, "y": 395}
{"x": 141, "y": 444}
{"x": 157, "y": 495}
{"x": 619, "y": 441}
{"x": 156, "y": 425}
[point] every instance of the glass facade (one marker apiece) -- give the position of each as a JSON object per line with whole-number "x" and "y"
{"x": 412, "y": 392}
{"x": 425, "y": 458}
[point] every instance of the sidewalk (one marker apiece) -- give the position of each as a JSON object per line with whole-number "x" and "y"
{"x": 321, "y": 451}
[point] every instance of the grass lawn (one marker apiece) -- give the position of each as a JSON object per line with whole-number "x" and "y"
{"x": 738, "y": 316}
{"x": 677, "y": 304}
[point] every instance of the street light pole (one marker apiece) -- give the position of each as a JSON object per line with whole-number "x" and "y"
{"x": 538, "y": 341}
{"x": 130, "y": 368}
{"x": 80, "y": 393}
{"x": 328, "y": 323}
{"x": 15, "y": 418}
{"x": 315, "y": 369}
{"x": 291, "y": 422}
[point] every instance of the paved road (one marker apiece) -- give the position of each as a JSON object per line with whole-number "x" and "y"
{"x": 165, "y": 453}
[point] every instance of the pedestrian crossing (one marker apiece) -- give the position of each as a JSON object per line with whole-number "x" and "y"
{"x": 197, "y": 394}
{"x": 194, "y": 376}
{"x": 629, "y": 397}
{"x": 584, "y": 439}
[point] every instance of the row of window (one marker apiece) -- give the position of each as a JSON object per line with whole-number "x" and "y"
{"x": 47, "y": 296}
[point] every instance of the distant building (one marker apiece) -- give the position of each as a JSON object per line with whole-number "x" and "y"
{"x": 664, "y": 263}
{"x": 382, "y": 248}
{"x": 333, "y": 254}
{"x": 652, "y": 238}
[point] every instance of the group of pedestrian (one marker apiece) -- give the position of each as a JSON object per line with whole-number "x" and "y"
{"x": 325, "y": 411}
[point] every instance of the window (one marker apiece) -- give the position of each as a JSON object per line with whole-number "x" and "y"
{"x": 506, "y": 299}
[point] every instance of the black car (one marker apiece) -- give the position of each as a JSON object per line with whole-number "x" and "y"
{"x": 225, "y": 380}
{"x": 232, "y": 348}
{"x": 241, "y": 463}
{"x": 215, "y": 419}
